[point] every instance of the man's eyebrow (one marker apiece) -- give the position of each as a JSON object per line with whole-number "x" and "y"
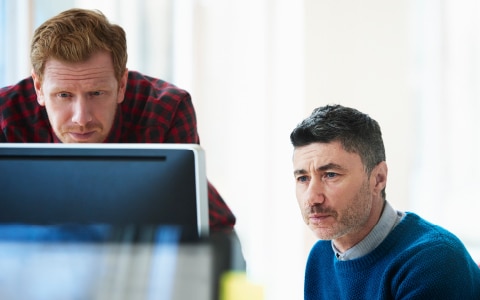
{"x": 329, "y": 166}
{"x": 299, "y": 172}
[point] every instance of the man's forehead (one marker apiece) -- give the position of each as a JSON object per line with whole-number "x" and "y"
{"x": 65, "y": 76}
{"x": 321, "y": 155}
{"x": 317, "y": 148}
{"x": 97, "y": 65}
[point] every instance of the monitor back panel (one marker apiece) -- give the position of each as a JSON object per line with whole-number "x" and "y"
{"x": 125, "y": 184}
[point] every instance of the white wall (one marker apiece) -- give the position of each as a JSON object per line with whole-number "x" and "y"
{"x": 248, "y": 87}
{"x": 256, "y": 68}
{"x": 261, "y": 67}
{"x": 358, "y": 54}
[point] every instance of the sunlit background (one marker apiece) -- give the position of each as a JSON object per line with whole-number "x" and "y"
{"x": 255, "y": 68}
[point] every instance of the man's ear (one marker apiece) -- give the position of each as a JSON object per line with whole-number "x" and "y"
{"x": 122, "y": 86}
{"x": 38, "y": 89}
{"x": 379, "y": 176}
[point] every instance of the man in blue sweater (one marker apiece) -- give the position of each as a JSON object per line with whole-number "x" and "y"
{"x": 367, "y": 249}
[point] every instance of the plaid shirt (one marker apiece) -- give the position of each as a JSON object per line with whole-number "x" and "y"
{"x": 153, "y": 111}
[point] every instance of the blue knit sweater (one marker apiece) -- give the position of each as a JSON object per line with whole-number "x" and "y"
{"x": 417, "y": 260}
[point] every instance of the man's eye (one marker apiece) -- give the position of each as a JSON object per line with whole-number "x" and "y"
{"x": 96, "y": 93}
{"x": 63, "y": 95}
{"x": 330, "y": 175}
{"x": 302, "y": 178}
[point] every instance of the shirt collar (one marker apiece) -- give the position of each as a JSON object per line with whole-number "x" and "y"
{"x": 388, "y": 220}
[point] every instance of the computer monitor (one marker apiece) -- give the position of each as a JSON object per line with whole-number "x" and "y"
{"x": 114, "y": 184}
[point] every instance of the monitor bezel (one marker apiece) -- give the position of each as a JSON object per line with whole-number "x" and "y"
{"x": 197, "y": 150}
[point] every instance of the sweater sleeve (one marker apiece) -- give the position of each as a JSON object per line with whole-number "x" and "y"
{"x": 442, "y": 269}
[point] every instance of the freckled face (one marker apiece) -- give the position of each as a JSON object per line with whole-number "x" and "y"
{"x": 81, "y": 99}
{"x": 333, "y": 191}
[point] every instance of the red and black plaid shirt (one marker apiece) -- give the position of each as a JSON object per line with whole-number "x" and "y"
{"x": 153, "y": 111}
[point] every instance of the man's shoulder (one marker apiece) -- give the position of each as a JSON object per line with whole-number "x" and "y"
{"x": 152, "y": 101}
{"x": 22, "y": 91}
{"x": 19, "y": 98}
{"x": 425, "y": 231}
{"x": 416, "y": 237}
{"x": 141, "y": 86}
{"x": 321, "y": 248}
{"x": 22, "y": 119}
{"x": 434, "y": 256}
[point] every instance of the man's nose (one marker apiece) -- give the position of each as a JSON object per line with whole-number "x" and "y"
{"x": 316, "y": 191}
{"x": 81, "y": 112}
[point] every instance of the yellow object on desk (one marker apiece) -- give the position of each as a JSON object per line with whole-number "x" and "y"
{"x": 236, "y": 286}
